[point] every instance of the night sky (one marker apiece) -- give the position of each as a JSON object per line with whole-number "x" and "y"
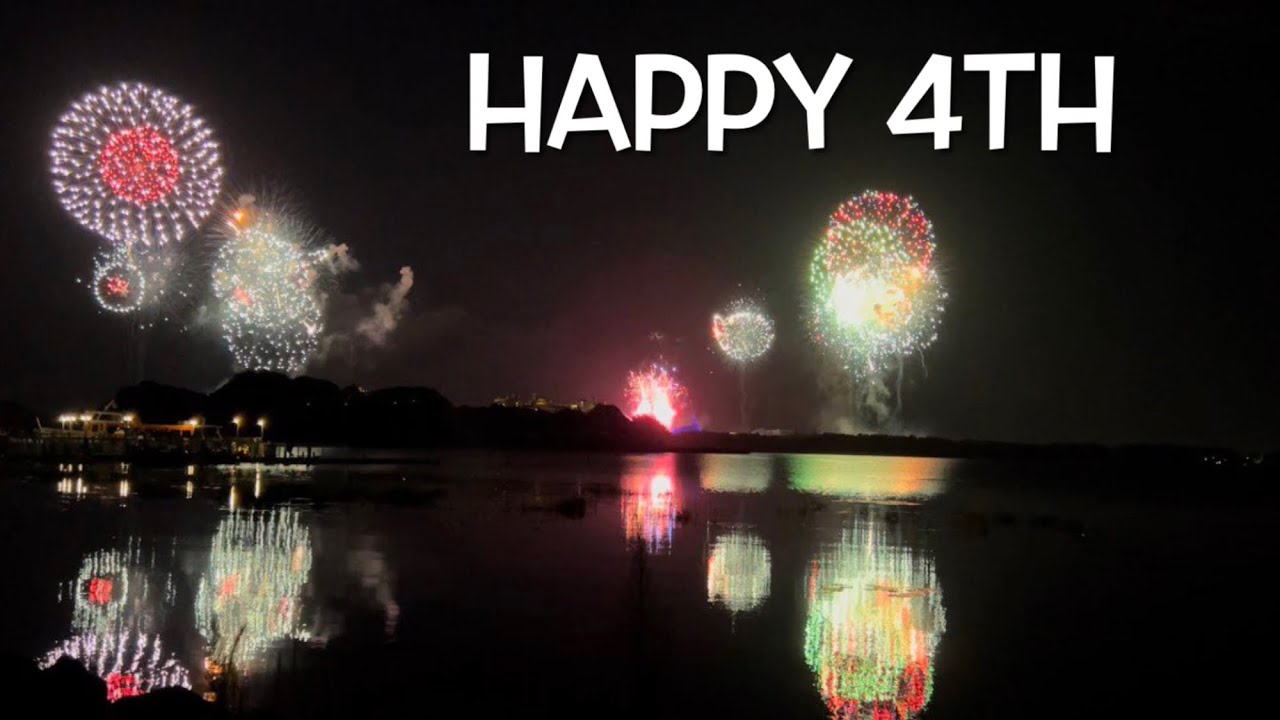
{"x": 1115, "y": 298}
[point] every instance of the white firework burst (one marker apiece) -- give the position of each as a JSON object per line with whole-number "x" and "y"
{"x": 265, "y": 281}
{"x": 135, "y": 164}
{"x": 743, "y": 331}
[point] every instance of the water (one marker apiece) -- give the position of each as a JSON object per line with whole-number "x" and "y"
{"x": 655, "y": 585}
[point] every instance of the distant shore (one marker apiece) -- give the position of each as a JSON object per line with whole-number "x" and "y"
{"x": 274, "y": 419}
{"x": 1151, "y": 457}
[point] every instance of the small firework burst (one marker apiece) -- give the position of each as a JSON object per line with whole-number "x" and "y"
{"x": 742, "y": 331}
{"x": 119, "y": 285}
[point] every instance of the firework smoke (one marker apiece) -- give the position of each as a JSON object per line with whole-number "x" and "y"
{"x": 340, "y": 259}
{"x": 388, "y": 311}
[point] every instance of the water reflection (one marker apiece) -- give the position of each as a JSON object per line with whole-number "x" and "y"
{"x": 855, "y": 568}
{"x": 69, "y": 486}
{"x": 120, "y": 600}
{"x": 368, "y": 582}
{"x": 250, "y": 597}
{"x": 735, "y": 473}
{"x": 874, "y": 619}
{"x": 369, "y": 567}
{"x": 650, "y": 502}
{"x": 738, "y": 571}
{"x": 868, "y": 477}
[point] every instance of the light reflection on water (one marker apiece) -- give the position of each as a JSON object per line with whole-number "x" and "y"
{"x": 250, "y": 598}
{"x": 650, "y": 502}
{"x": 256, "y": 578}
{"x": 735, "y": 473}
{"x": 738, "y": 571}
{"x": 891, "y": 479}
{"x": 120, "y": 601}
{"x": 875, "y": 617}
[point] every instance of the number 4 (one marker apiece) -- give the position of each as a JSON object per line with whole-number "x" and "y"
{"x": 935, "y": 74}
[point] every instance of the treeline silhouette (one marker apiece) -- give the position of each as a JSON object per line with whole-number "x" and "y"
{"x": 306, "y": 410}
{"x": 312, "y": 411}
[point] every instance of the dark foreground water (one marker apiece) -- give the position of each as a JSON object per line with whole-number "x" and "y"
{"x": 641, "y": 586}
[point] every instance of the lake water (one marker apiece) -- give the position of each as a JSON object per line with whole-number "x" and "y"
{"x": 638, "y": 586}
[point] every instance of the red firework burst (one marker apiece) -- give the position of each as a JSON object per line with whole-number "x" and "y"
{"x": 139, "y": 165}
{"x": 654, "y": 391}
{"x": 117, "y": 286}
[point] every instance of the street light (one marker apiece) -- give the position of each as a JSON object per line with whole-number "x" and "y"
{"x": 237, "y": 420}
{"x": 262, "y": 423}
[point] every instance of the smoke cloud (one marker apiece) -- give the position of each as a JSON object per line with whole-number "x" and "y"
{"x": 388, "y": 311}
{"x": 341, "y": 260}
{"x": 875, "y": 398}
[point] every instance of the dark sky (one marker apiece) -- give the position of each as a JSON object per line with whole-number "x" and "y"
{"x": 1121, "y": 297}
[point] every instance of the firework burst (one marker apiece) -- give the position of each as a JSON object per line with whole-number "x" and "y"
{"x": 119, "y": 285}
{"x": 876, "y": 289}
{"x": 265, "y": 282}
{"x": 742, "y": 331}
{"x": 135, "y": 165}
{"x": 654, "y": 391}
{"x": 149, "y": 286}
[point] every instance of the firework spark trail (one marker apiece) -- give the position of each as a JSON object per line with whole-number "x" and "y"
{"x": 135, "y": 165}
